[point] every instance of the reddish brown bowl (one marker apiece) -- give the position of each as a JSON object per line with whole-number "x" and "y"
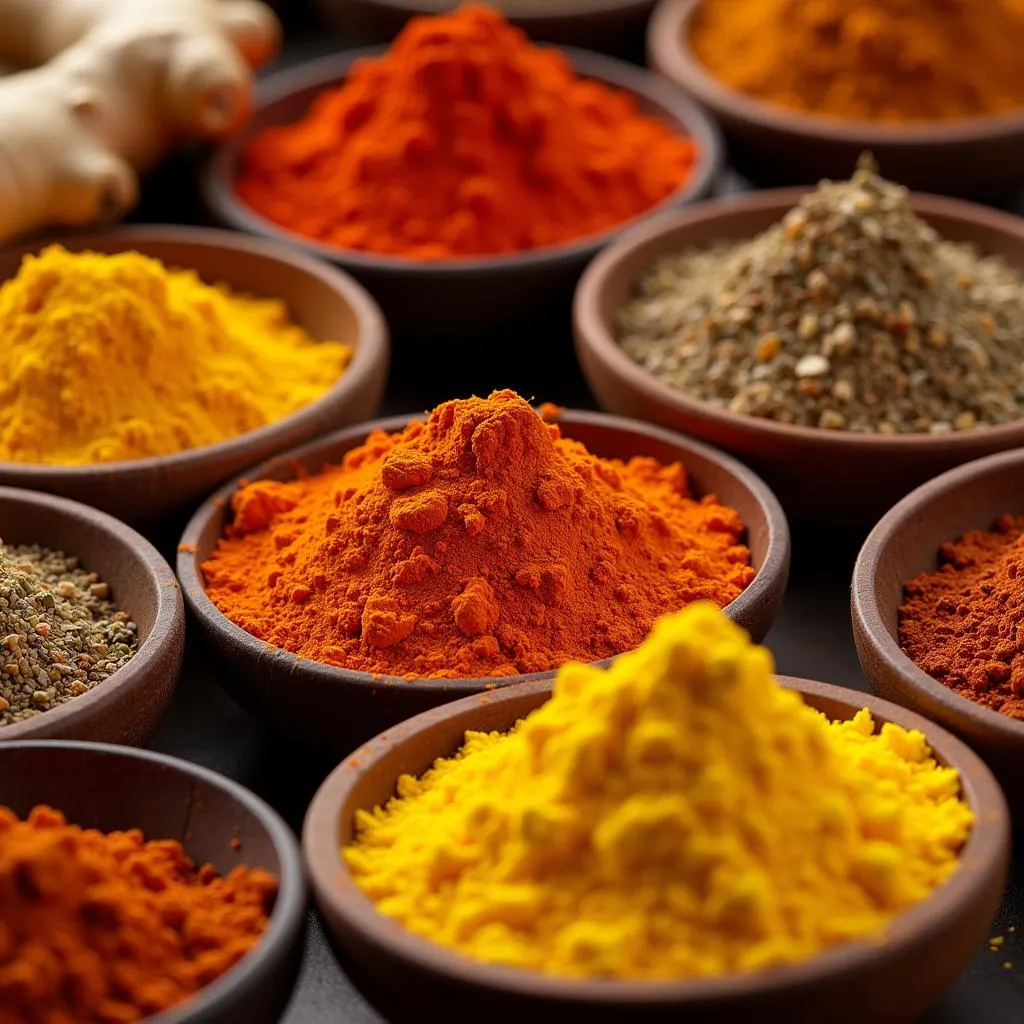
{"x": 127, "y": 706}
{"x": 888, "y": 982}
{"x": 905, "y": 543}
{"x": 339, "y": 708}
{"x": 326, "y": 302}
{"x": 823, "y": 476}
{"x": 458, "y": 300}
{"x": 971, "y": 157}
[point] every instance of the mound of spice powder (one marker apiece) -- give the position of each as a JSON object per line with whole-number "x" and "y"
{"x": 851, "y": 313}
{"x": 108, "y": 928}
{"x": 964, "y": 624}
{"x": 60, "y": 635}
{"x": 464, "y": 139}
{"x": 479, "y": 543}
{"x": 678, "y": 815}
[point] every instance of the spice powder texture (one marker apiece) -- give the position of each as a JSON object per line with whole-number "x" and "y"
{"x": 884, "y": 60}
{"x": 110, "y": 929}
{"x": 964, "y": 624}
{"x": 105, "y": 358}
{"x": 678, "y": 815}
{"x": 464, "y": 139}
{"x": 479, "y": 543}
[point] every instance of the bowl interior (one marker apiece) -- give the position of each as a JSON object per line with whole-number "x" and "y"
{"x": 287, "y": 96}
{"x": 218, "y": 257}
{"x": 745, "y": 218}
{"x": 105, "y": 788}
{"x": 134, "y": 585}
{"x": 603, "y": 435}
{"x": 946, "y": 511}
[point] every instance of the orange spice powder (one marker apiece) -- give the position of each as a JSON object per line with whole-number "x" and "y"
{"x": 464, "y": 139}
{"x": 479, "y": 543}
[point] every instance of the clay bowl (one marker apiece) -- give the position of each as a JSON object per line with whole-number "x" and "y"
{"x": 125, "y": 707}
{"x": 216, "y": 820}
{"x": 890, "y": 982}
{"x": 328, "y": 303}
{"x": 455, "y": 300}
{"x": 905, "y": 543}
{"x": 821, "y": 476}
{"x": 970, "y": 157}
{"x": 333, "y": 709}
{"x": 609, "y": 26}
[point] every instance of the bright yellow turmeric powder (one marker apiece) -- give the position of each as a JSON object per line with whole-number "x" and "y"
{"x": 677, "y": 815}
{"x": 112, "y": 357}
{"x": 885, "y": 60}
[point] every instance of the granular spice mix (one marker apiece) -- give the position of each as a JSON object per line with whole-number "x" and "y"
{"x": 60, "y": 635}
{"x": 964, "y": 624}
{"x": 479, "y": 543}
{"x": 850, "y": 314}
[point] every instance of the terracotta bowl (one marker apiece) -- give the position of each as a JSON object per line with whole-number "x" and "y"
{"x": 458, "y": 299}
{"x": 332, "y": 708}
{"x": 821, "y": 476}
{"x": 890, "y": 982}
{"x": 125, "y": 707}
{"x": 971, "y": 157}
{"x": 216, "y": 820}
{"x": 905, "y": 543}
{"x": 328, "y": 303}
{"x": 609, "y": 26}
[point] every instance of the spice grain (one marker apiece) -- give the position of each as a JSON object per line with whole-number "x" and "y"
{"x": 677, "y": 815}
{"x": 60, "y": 635}
{"x": 850, "y": 314}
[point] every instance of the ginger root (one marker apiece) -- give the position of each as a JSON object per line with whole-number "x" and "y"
{"x": 108, "y": 87}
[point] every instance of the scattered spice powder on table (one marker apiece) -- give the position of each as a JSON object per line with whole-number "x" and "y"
{"x": 107, "y": 928}
{"x": 479, "y": 543}
{"x": 964, "y": 624}
{"x": 112, "y": 357}
{"x": 850, "y": 314}
{"x": 464, "y": 139}
{"x": 875, "y": 60}
{"x": 678, "y": 815}
{"x": 60, "y": 635}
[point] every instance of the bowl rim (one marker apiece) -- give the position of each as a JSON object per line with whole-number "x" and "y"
{"x": 668, "y": 46}
{"x": 869, "y": 622}
{"x": 596, "y": 340}
{"x": 168, "y": 620}
{"x": 775, "y": 564}
{"x": 369, "y": 348}
{"x": 218, "y": 175}
{"x": 589, "y": 8}
{"x": 289, "y": 914}
{"x": 332, "y": 882}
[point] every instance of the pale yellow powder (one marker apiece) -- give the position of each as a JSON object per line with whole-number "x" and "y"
{"x": 678, "y": 815}
{"x": 106, "y": 358}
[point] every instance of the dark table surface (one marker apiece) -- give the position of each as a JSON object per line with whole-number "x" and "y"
{"x": 812, "y": 638}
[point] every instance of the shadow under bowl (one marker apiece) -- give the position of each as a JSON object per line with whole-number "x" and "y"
{"x": 974, "y": 157}
{"x": 217, "y": 821}
{"x": 333, "y": 709}
{"x": 607, "y": 26}
{"x": 887, "y": 982}
{"x": 127, "y": 706}
{"x": 905, "y": 543}
{"x": 832, "y": 477}
{"x": 456, "y": 300}
{"x": 323, "y": 300}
